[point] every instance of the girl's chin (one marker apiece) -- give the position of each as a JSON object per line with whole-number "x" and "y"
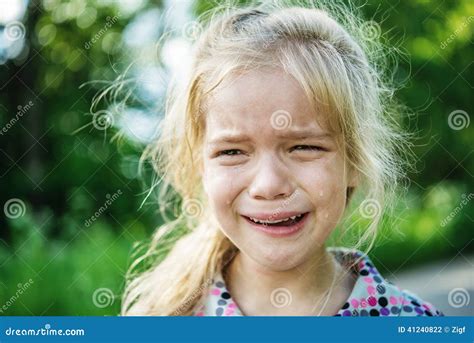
{"x": 280, "y": 256}
{"x": 277, "y": 259}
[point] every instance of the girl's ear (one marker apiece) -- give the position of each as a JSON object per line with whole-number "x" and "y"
{"x": 353, "y": 180}
{"x": 352, "y": 183}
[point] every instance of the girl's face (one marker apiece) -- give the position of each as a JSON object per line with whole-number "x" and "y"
{"x": 266, "y": 158}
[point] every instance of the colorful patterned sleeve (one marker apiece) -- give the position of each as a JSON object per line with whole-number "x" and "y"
{"x": 413, "y": 305}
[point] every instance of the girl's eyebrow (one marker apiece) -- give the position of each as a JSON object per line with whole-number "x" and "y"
{"x": 303, "y": 134}
{"x": 230, "y": 138}
{"x": 235, "y": 137}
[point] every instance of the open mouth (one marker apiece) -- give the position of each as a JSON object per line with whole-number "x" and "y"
{"x": 293, "y": 220}
{"x": 282, "y": 227}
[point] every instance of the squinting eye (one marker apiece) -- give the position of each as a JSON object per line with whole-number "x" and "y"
{"x": 307, "y": 148}
{"x": 230, "y": 152}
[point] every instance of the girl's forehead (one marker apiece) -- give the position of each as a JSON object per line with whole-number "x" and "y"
{"x": 258, "y": 99}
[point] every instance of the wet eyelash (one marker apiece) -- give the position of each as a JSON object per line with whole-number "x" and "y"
{"x": 308, "y": 147}
{"x": 226, "y": 152}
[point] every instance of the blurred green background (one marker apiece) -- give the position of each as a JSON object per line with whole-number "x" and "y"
{"x": 74, "y": 204}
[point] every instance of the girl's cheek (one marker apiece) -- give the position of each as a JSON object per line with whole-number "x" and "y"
{"x": 222, "y": 185}
{"x": 331, "y": 205}
{"x": 324, "y": 184}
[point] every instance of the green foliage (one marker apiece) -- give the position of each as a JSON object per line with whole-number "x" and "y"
{"x": 65, "y": 178}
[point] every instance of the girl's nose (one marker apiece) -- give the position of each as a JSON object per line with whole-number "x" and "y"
{"x": 271, "y": 180}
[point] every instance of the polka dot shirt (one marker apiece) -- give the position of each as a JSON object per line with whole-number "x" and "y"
{"x": 372, "y": 295}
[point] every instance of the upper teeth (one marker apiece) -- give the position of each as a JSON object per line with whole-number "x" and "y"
{"x": 274, "y": 221}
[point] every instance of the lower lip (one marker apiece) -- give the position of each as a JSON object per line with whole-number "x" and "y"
{"x": 279, "y": 231}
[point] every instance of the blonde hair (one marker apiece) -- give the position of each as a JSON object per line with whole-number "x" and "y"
{"x": 336, "y": 64}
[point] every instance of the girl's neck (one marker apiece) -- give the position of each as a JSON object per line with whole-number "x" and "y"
{"x": 318, "y": 287}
